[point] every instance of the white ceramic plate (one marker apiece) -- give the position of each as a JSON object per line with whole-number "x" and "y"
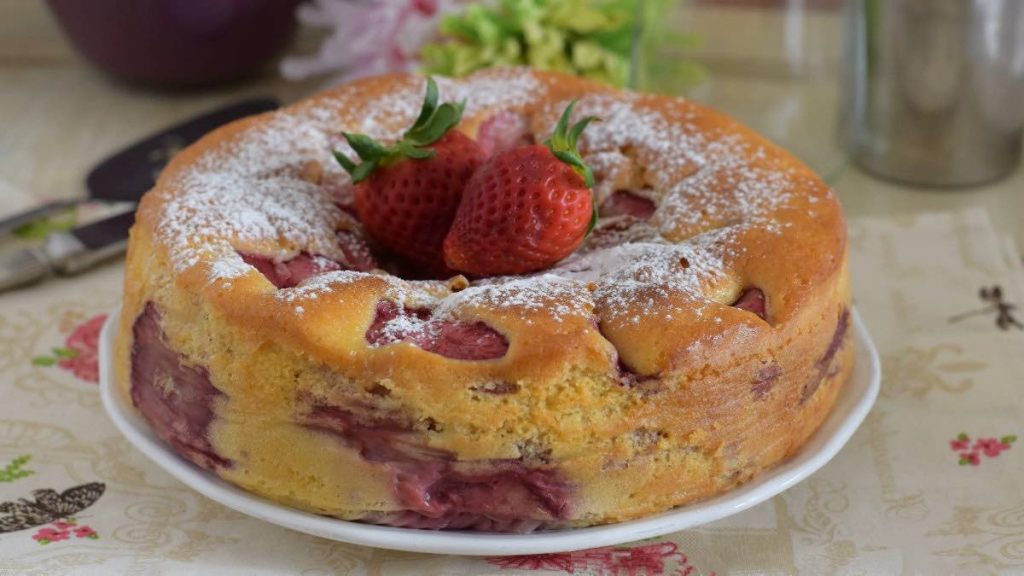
{"x": 853, "y": 404}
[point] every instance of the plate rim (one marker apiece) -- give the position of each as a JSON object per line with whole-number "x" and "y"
{"x": 763, "y": 487}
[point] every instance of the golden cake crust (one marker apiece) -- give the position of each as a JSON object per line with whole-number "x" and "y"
{"x": 628, "y": 371}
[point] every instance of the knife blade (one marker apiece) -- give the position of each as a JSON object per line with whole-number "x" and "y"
{"x": 67, "y": 252}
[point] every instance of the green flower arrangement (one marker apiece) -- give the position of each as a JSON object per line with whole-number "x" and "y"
{"x": 591, "y": 38}
{"x": 620, "y": 42}
{"x": 661, "y": 60}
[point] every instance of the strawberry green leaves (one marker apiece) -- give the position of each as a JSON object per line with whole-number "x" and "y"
{"x": 563, "y": 144}
{"x": 367, "y": 149}
{"x": 433, "y": 122}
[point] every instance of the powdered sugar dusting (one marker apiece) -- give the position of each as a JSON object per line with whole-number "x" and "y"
{"x": 703, "y": 179}
{"x": 392, "y": 113}
{"x": 700, "y": 176}
{"x": 627, "y": 278}
{"x": 405, "y": 293}
{"x": 250, "y": 194}
{"x": 229, "y": 266}
{"x": 493, "y": 89}
{"x": 731, "y": 186}
{"x": 666, "y": 148}
{"x": 249, "y": 189}
{"x": 560, "y": 297}
{"x": 313, "y": 288}
{"x": 405, "y": 326}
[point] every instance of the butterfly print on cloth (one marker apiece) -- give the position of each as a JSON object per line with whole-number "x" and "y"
{"x": 994, "y": 303}
{"x": 23, "y": 514}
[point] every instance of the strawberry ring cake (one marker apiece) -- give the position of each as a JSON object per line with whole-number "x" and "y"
{"x": 509, "y": 302}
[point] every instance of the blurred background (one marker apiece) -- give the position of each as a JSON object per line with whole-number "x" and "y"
{"x": 80, "y": 81}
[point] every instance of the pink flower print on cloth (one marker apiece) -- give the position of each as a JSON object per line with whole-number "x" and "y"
{"x": 85, "y": 340}
{"x": 656, "y": 559}
{"x": 47, "y": 535}
{"x": 59, "y": 530}
{"x": 970, "y": 454}
{"x": 80, "y": 354}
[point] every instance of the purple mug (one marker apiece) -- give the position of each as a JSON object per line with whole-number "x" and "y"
{"x": 178, "y": 42}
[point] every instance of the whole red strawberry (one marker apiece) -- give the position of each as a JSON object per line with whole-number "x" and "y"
{"x": 524, "y": 209}
{"x": 406, "y": 194}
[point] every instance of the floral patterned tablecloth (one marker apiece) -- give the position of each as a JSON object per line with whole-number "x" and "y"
{"x": 932, "y": 483}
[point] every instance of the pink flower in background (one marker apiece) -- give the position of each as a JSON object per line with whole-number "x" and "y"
{"x": 367, "y": 38}
{"x": 86, "y": 532}
{"x": 84, "y": 340}
{"x": 959, "y": 444}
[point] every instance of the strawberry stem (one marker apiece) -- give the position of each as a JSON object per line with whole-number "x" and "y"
{"x": 563, "y": 144}
{"x": 430, "y": 126}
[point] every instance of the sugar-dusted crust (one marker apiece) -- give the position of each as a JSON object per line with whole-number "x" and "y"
{"x": 630, "y": 384}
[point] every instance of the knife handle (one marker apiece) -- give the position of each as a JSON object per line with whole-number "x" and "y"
{"x": 10, "y": 224}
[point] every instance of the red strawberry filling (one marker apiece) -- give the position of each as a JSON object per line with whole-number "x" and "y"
{"x": 459, "y": 521}
{"x": 175, "y": 397}
{"x": 437, "y": 491}
{"x": 357, "y": 253}
{"x": 503, "y": 131}
{"x": 482, "y": 500}
{"x": 825, "y": 362}
{"x": 643, "y": 385}
{"x": 765, "y": 380}
{"x": 625, "y": 203}
{"x": 290, "y": 273}
{"x": 842, "y": 325}
{"x": 752, "y": 300}
{"x": 449, "y": 338}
